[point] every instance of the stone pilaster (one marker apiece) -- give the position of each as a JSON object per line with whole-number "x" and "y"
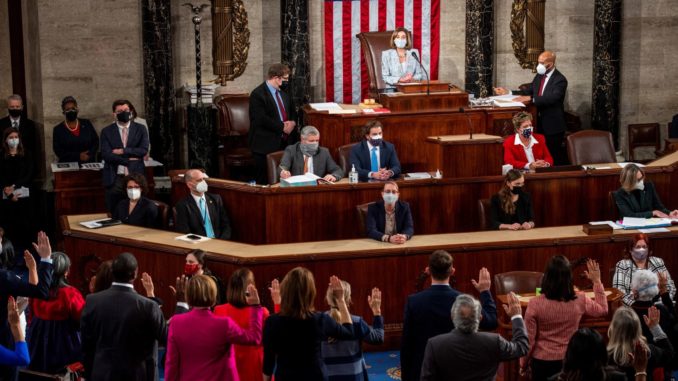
{"x": 479, "y": 47}
{"x": 295, "y": 49}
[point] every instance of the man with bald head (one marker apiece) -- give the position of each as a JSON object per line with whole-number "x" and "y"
{"x": 547, "y": 92}
{"x": 200, "y": 212}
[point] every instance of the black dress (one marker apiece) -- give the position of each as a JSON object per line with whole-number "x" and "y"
{"x": 523, "y": 212}
{"x": 145, "y": 213}
{"x": 67, "y": 147}
{"x": 15, "y": 216}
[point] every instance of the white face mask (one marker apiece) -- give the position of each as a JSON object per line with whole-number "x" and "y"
{"x": 640, "y": 185}
{"x": 13, "y": 142}
{"x": 134, "y": 193}
{"x": 541, "y": 69}
{"x": 201, "y": 187}
{"x": 390, "y": 198}
{"x": 400, "y": 43}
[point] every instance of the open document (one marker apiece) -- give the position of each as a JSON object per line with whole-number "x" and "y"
{"x": 506, "y": 101}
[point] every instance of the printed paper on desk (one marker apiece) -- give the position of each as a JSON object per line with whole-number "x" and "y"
{"x": 192, "y": 238}
{"x": 64, "y": 167}
{"x": 418, "y": 176}
{"x": 327, "y": 106}
{"x": 93, "y": 166}
{"x": 612, "y": 224}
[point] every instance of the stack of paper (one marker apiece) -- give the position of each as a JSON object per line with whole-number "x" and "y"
{"x": 207, "y": 93}
{"x": 644, "y": 223}
{"x": 418, "y": 176}
{"x": 506, "y": 101}
{"x": 326, "y": 106}
{"x": 308, "y": 179}
{"x": 64, "y": 167}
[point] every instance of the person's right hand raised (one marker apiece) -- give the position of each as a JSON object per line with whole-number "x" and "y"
{"x": 483, "y": 283}
{"x": 43, "y": 247}
{"x": 592, "y": 271}
{"x": 180, "y": 290}
{"x": 652, "y": 317}
{"x": 374, "y": 301}
{"x": 337, "y": 288}
{"x": 513, "y": 308}
{"x": 275, "y": 291}
{"x": 252, "y": 295}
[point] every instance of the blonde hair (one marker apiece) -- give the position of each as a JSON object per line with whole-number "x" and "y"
{"x": 297, "y": 294}
{"x": 628, "y": 176}
{"x": 519, "y": 118}
{"x": 201, "y": 291}
{"x": 332, "y": 300}
{"x": 624, "y": 332}
{"x": 408, "y": 45}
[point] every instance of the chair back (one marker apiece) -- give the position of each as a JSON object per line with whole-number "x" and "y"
{"x": 344, "y": 152}
{"x": 484, "y": 214}
{"x": 163, "y": 214}
{"x": 612, "y": 206}
{"x": 643, "y": 135}
{"x": 272, "y": 163}
{"x": 590, "y": 147}
{"x": 517, "y": 281}
{"x": 234, "y": 114}
{"x": 362, "y": 216}
{"x": 373, "y": 44}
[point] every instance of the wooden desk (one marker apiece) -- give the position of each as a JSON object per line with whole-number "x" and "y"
{"x": 466, "y": 156}
{"x": 364, "y": 263}
{"x": 263, "y": 215}
{"x": 414, "y": 98}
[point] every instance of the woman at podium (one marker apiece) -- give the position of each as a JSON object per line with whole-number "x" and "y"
{"x": 400, "y": 64}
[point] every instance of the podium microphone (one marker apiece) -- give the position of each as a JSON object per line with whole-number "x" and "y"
{"x": 428, "y": 81}
{"x": 468, "y": 120}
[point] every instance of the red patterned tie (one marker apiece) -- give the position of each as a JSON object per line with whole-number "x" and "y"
{"x": 541, "y": 86}
{"x": 281, "y": 106}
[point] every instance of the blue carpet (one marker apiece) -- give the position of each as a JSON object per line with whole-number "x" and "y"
{"x": 383, "y": 366}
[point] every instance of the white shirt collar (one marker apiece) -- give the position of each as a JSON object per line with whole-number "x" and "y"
{"x": 198, "y": 198}
{"x": 13, "y": 120}
{"x": 129, "y": 285}
{"x": 517, "y": 141}
{"x": 370, "y": 146}
{"x": 124, "y": 125}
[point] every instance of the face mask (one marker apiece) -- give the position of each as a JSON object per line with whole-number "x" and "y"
{"x": 13, "y": 143}
{"x": 14, "y": 112}
{"x": 375, "y": 140}
{"x": 640, "y": 185}
{"x": 134, "y": 193}
{"x": 309, "y": 149}
{"x": 541, "y": 69}
{"x": 123, "y": 117}
{"x": 191, "y": 268}
{"x": 527, "y": 132}
{"x": 201, "y": 187}
{"x": 390, "y": 198}
{"x": 639, "y": 254}
{"x": 71, "y": 115}
{"x": 517, "y": 190}
{"x": 285, "y": 85}
{"x": 400, "y": 43}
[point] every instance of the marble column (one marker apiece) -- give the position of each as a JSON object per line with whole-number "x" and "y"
{"x": 159, "y": 79}
{"x": 295, "y": 50}
{"x": 202, "y": 138}
{"x": 606, "y": 68}
{"x": 479, "y": 47}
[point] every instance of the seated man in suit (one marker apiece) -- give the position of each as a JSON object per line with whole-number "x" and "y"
{"x": 373, "y": 157}
{"x": 123, "y": 147}
{"x": 389, "y": 220}
{"x": 427, "y": 313}
{"x": 526, "y": 149}
{"x": 200, "y": 212}
{"x": 465, "y": 353}
{"x": 307, "y": 156}
{"x": 637, "y": 198}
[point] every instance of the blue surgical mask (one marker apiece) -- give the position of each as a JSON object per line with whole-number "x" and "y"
{"x": 390, "y": 198}
{"x": 527, "y": 132}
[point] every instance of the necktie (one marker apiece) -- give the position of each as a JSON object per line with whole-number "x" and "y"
{"x": 209, "y": 231}
{"x": 15, "y": 124}
{"x": 305, "y": 164}
{"x": 374, "y": 160}
{"x": 541, "y": 85}
{"x": 283, "y": 113}
{"x": 125, "y": 133}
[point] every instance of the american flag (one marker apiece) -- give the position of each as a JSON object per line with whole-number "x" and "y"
{"x": 345, "y": 70}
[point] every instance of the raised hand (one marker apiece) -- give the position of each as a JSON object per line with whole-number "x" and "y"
{"x": 337, "y": 288}
{"x": 32, "y": 268}
{"x": 652, "y": 317}
{"x": 147, "y": 282}
{"x": 592, "y": 271}
{"x": 374, "y": 301}
{"x": 252, "y": 295}
{"x": 639, "y": 357}
{"x": 180, "y": 290}
{"x": 663, "y": 282}
{"x": 43, "y": 247}
{"x": 483, "y": 283}
{"x": 275, "y": 291}
{"x": 513, "y": 308}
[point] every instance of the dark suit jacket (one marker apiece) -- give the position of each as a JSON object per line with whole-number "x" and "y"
{"x": 189, "y": 218}
{"x": 144, "y": 214}
{"x": 475, "y": 356}
{"x": 27, "y": 131}
{"x": 323, "y": 164}
{"x": 550, "y": 108}
{"x": 360, "y": 157}
{"x": 523, "y": 213}
{"x": 119, "y": 331}
{"x": 266, "y": 128}
{"x": 427, "y": 314}
{"x": 67, "y": 146}
{"x": 375, "y": 223}
{"x": 137, "y": 148}
{"x": 629, "y": 206}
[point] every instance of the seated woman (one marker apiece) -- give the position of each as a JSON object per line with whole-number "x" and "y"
{"x": 526, "y": 149}
{"x": 74, "y": 139}
{"x": 397, "y": 64}
{"x": 647, "y": 287}
{"x": 389, "y": 220}
{"x": 137, "y": 209}
{"x": 639, "y": 259}
{"x": 511, "y": 208}
{"x": 637, "y": 198}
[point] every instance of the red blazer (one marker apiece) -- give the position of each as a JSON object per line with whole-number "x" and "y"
{"x": 515, "y": 154}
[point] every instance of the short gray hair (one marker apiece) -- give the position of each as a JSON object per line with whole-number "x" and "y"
{"x": 466, "y": 313}
{"x": 309, "y": 130}
{"x": 15, "y": 97}
{"x": 645, "y": 283}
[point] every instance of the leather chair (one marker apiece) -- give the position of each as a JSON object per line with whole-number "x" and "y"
{"x": 344, "y": 152}
{"x": 272, "y": 163}
{"x": 362, "y": 217}
{"x": 372, "y": 44}
{"x": 163, "y": 214}
{"x": 612, "y": 206}
{"x": 235, "y": 158}
{"x": 517, "y": 281}
{"x": 484, "y": 211}
{"x": 590, "y": 147}
{"x": 643, "y": 135}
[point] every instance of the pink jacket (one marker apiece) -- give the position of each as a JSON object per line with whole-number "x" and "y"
{"x": 199, "y": 345}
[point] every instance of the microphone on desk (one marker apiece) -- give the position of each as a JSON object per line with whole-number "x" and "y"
{"x": 468, "y": 120}
{"x": 428, "y": 81}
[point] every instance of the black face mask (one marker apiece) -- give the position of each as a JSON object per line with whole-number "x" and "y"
{"x": 71, "y": 115}
{"x": 14, "y": 112}
{"x": 517, "y": 190}
{"x": 285, "y": 85}
{"x": 123, "y": 117}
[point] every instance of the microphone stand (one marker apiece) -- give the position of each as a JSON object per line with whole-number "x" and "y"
{"x": 428, "y": 81}
{"x": 468, "y": 120}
